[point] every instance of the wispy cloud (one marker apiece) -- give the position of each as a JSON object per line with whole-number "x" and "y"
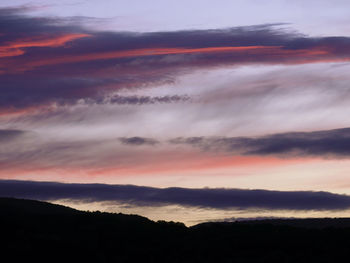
{"x": 22, "y": 151}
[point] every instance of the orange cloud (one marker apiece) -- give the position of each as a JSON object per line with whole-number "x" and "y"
{"x": 136, "y": 53}
{"x": 267, "y": 54}
{"x": 16, "y": 112}
{"x": 17, "y": 47}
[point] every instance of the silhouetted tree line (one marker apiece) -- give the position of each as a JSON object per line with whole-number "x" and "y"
{"x": 42, "y": 232}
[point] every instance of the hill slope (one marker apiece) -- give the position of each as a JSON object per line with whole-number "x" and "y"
{"x": 51, "y": 233}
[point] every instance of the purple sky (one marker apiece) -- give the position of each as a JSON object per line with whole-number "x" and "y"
{"x": 188, "y": 94}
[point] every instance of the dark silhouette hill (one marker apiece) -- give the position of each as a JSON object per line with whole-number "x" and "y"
{"x": 43, "y": 232}
{"x": 12, "y": 206}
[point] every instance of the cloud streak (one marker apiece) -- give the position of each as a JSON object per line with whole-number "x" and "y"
{"x": 317, "y": 143}
{"x": 216, "y": 198}
{"x": 139, "y": 100}
{"x": 65, "y": 62}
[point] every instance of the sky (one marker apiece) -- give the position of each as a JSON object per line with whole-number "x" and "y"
{"x": 177, "y": 110}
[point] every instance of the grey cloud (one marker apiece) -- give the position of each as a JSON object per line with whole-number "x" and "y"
{"x": 138, "y": 141}
{"x": 8, "y": 134}
{"x": 318, "y": 143}
{"x": 140, "y": 100}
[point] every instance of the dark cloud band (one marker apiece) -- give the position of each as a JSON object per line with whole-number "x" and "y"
{"x": 218, "y": 198}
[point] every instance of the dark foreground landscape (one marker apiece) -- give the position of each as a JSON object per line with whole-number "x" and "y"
{"x": 43, "y": 232}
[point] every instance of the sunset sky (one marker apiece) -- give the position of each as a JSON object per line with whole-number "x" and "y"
{"x": 178, "y": 110}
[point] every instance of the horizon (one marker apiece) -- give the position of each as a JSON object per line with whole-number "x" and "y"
{"x": 254, "y": 220}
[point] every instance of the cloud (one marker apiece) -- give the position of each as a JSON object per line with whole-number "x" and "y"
{"x": 141, "y": 100}
{"x": 65, "y": 62}
{"x": 138, "y": 141}
{"x": 7, "y": 134}
{"x": 215, "y": 198}
{"x": 36, "y": 153}
{"x": 317, "y": 143}
{"x": 24, "y": 151}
